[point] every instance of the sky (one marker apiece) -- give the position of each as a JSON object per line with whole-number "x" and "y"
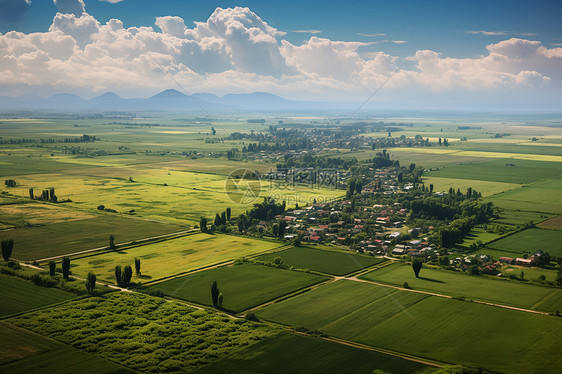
{"x": 441, "y": 54}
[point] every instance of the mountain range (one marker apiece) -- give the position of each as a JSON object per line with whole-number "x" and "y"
{"x": 168, "y": 100}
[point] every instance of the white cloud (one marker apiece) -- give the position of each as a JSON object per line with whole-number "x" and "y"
{"x": 112, "y": 1}
{"x": 75, "y": 7}
{"x": 487, "y": 33}
{"x": 371, "y": 35}
{"x": 236, "y": 51}
{"x": 308, "y": 31}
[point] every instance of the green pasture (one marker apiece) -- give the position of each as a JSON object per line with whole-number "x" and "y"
{"x": 443, "y": 329}
{"x": 292, "y": 353}
{"x": 56, "y": 239}
{"x": 145, "y": 333}
{"x": 24, "y": 352}
{"x": 19, "y": 295}
{"x": 504, "y": 171}
{"x": 518, "y": 217}
{"x": 325, "y": 261}
{"x": 456, "y": 284}
{"x": 531, "y": 240}
{"x": 543, "y": 196}
{"x": 478, "y": 234}
{"x": 174, "y": 256}
{"x": 243, "y": 286}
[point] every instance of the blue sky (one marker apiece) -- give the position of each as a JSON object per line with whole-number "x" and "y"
{"x": 456, "y": 51}
{"x": 440, "y": 25}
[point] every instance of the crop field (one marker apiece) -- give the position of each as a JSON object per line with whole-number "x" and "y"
{"x": 553, "y": 223}
{"x": 530, "y": 273}
{"x": 19, "y": 295}
{"x": 486, "y": 188}
{"x": 457, "y": 284}
{"x": 324, "y": 261}
{"x": 174, "y": 256}
{"x": 145, "y": 333}
{"x": 56, "y": 239}
{"x": 517, "y": 217}
{"x": 291, "y": 353}
{"x": 504, "y": 171}
{"x": 32, "y": 214}
{"x": 162, "y": 193}
{"x": 24, "y": 352}
{"x": 531, "y": 240}
{"x": 419, "y": 324}
{"x": 542, "y": 196}
{"x": 243, "y": 285}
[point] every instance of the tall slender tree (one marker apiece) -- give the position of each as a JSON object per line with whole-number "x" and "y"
{"x": 118, "y": 275}
{"x": 215, "y": 294}
{"x": 137, "y": 266}
{"x": 7, "y": 248}
{"x": 52, "y": 268}
{"x": 66, "y": 267}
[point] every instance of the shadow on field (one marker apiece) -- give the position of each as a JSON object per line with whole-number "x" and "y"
{"x": 431, "y": 280}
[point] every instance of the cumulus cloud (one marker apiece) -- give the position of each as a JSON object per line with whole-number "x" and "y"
{"x": 234, "y": 50}
{"x": 308, "y": 31}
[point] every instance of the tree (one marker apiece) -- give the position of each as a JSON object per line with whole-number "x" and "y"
{"x": 90, "y": 282}
{"x": 215, "y": 294}
{"x": 65, "y": 267}
{"x": 31, "y": 193}
{"x": 228, "y": 213}
{"x": 127, "y": 275}
{"x": 111, "y": 241}
{"x": 223, "y": 218}
{"x": 474, "y": 270}
{"x": 203, "y": 224}
{"x": 559, "y": 277}
{"x": 359, "y": 187}
{"x": 7, "y": 248}
{"x": 417, "y": 265}
{"x": 431, "y": 188}
{"x": 217, "y": 220}
{"x": 52, "y": 268}
{"x": 213, "y": 131}
{"x": 118, "y": 275}
{"x": 219, "y": 302}
{"x": 137, "y": 266}
{"x": 282, "y": 228}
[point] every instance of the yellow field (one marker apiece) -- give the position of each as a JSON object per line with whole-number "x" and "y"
{"x": 487, "y": 188}
{"x": 455, "y": 152}
{"x": 40, "y": 214}
{"x": 173, "y": 256}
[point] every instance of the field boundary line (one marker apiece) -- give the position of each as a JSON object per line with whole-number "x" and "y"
{"x": 544, "y": 298}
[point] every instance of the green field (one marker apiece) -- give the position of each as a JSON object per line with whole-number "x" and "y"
{"x": 19, "y": 295}
{"x": 24, "y": 352}
{"x": 448, "y": 330}
{"x": 56, "y": 239}
{"x": 498, "y": 171}
{"x": 174, "y": 256}
{"x": 531, "y": 240}
{"x": 243, "y": 285}
{"x": 145, "y": 333}
{"x": 478, "y": 234}
{"x": 325, "y": 261}
{"x": 291, "y": 353}
{"x": 457, "y": 284}
{"x": 542, "y": 196}
{"x": 516, "y": 217}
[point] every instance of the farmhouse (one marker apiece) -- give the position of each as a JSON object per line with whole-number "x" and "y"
{"x": 507, "y": 260}
{"x": 524, "y": 261}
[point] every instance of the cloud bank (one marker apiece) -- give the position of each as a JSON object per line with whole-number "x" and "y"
{"x": 234, "y": 50}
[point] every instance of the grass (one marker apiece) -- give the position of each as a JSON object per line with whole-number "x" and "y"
{"x": 517, "y": 217}
{"x": 542, "y": 196}
{"x": 56, "y": 239}
{"x": 497, "y": 171}
{"x": 457, "y": 284}
{"x": 292, "y": 353}
{"x": 478, "y": 234}
{"x": 448, "y": 330}
{"x": 244, "y": 285}
{"x": 174, "y": 256}
{"x": 19, "y": 295}
{"x": 325, "y": 261}
{"x": 26, "y": 352}
{"x": 145, "y": 333}
{"x": 531, "y": 240}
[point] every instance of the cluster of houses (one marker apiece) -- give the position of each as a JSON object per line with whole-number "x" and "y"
{"x": 529, "y": 261}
